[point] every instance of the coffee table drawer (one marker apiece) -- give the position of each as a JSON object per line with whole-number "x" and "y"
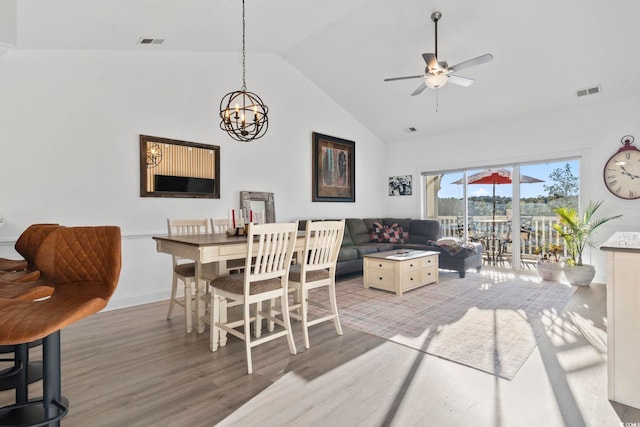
{"x": 411, "y": 265}
{"x": 430, "y": 274}
{"x": 379, "y": 264}
{"x": 411, "y": 280}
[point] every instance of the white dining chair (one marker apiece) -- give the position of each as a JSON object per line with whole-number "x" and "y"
{"x": 317, "y": 269}
{"x": 220, "y": 225}
{"x": 267, "y": 278}
{"x": 184, "y": 270}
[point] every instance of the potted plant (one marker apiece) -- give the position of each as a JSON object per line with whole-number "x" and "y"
{"x": 549, "y": 265}
{"x": 576, "y": 232}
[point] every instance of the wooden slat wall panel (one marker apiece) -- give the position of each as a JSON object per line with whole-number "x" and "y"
{"x": 183, "y": 161}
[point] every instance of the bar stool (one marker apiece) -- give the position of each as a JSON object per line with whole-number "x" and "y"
{"x": 83, "y": 265}
{"x": 24, "y": 285}
{"x": 27, "y": 245}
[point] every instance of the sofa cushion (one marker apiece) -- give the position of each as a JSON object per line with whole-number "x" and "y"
{"x": 346, "y": 239}
{"x": 366, "y": 249}
{"x": 347, "y": 253}
{"x": 369, "y": 222}
{"x": 405, "y": 223}
{"x": 384, "y": 247}
{"x": 358, "y": 230}
{"x": 422, "y": 230}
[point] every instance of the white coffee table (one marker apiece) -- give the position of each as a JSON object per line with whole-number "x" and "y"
{"x": 400, "y": 270}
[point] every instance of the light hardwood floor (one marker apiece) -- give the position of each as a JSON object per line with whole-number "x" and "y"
{"x": 131, "y": 367}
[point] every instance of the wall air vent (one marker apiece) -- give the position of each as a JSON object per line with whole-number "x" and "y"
{"x": 150, "y": 41}
{"x": 589, "y": 91}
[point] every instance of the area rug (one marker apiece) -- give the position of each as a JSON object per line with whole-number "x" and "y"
{"x": 489, "y": 321}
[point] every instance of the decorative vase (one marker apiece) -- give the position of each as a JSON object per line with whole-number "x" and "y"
{"x": 579, "y": 275}
{"x": 549, "y": 270}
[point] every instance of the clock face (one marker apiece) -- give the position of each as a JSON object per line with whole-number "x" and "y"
{"x": 622, "y": 174}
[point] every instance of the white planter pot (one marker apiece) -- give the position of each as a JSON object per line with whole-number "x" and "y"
{"x": 579, "y": 275}
{"x": 549, "y": 270}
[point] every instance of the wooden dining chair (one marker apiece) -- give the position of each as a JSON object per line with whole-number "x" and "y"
{"x": 220, "y": 225}
{"x": 184, "y": 270}
{"x": 317, "y": 269}
{"x": 271, "y": 246}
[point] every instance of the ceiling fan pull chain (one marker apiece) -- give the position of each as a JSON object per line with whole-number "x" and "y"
{"x": 437, "y": 91}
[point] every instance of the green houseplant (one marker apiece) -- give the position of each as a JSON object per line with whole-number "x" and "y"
{"x": 549, "y": 265}
{"x": 576, "y": 232}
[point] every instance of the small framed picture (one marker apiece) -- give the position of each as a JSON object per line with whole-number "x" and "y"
{"x": 400, "y": 185}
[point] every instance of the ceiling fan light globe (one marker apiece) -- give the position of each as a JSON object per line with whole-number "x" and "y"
{"x": 435, "y": 81}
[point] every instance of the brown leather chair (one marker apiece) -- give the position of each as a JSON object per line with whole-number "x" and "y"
{"x": 27, "y": 245}
{"x": 83, "y": 266}
{"x": 23, "y": 285}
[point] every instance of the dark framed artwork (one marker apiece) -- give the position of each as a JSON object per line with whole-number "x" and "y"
{"x": 333, "y": 169}
{"x": 173, "y": 168}
{"x": 400, "y": 185}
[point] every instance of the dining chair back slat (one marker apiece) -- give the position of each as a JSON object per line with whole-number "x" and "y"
{"x": 184, "y": 270}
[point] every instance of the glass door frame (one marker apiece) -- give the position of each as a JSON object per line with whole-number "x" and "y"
{"x": 516, "y": 258}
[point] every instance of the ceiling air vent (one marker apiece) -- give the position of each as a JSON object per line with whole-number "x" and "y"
{"x": 589, "y": 91}
{"x": 150, "y": 41}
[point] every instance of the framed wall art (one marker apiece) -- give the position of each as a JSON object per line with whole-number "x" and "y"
{"x": 333, "y": 169}
{"x": 400, "y": 185}
{"x": 173, "y": 168}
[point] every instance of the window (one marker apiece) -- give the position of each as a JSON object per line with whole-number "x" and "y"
{"x": 513, "y": 222}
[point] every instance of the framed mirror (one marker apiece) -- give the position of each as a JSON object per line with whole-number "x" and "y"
{"x": 173, "y": 168}
{"x": 259, "y": 202}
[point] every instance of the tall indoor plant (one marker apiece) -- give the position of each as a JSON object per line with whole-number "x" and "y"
{"x": 576, "y": 232}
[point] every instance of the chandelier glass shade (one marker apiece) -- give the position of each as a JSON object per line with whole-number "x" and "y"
{"x": 435, "y": 81}
{"x": 243, "y": 115}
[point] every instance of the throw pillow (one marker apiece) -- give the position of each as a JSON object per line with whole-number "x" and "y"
{"x": 388, "y": 234}
{"x": 376, "y": 232}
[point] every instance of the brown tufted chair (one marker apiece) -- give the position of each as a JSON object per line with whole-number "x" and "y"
{"x": 83, "y": 265}
{"x": 27, "y": 245}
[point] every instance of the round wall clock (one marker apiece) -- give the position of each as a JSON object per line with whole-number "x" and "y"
{"x": 622, "y": 171}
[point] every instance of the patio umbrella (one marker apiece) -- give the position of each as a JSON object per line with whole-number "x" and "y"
{"x": 495, "y": 176}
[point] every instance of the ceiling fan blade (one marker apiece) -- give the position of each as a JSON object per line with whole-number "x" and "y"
{"x": 431, "y": 60}
{"x": 471, "y": 63}
{"x": 460, "y": 81}
{"x": 404, "y": 78}
{"x": 420, "y": 89}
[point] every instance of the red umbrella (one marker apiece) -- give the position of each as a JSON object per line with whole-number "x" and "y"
{"x": 495, "y": 176}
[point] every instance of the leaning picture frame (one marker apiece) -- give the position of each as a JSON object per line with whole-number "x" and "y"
{"x": 333, "y": 169}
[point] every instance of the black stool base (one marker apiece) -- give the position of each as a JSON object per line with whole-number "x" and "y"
{"x": 33, "y": 414}
{"x": 49, "y": 410}
{"x": 34, "y": 373}
{"x": 7, "y": 377}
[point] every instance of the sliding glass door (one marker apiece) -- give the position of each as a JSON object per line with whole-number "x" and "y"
{"x": 509, "y": 209}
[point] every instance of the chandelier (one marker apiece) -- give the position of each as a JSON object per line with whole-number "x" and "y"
{"x": 243, "y": 114}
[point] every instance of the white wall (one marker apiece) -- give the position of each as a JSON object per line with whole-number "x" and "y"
{"x": 592, "y": 131}
{"x": 69, "y": 128}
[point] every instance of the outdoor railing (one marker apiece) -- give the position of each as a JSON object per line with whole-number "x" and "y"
{"x": 535, "y": 232}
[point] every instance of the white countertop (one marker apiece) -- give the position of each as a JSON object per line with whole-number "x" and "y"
{"x": 623, "y": 241}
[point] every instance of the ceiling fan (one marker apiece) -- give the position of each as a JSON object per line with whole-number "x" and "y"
{"x": 437, "y": 74}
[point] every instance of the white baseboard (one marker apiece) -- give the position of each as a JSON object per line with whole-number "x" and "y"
{"x": 130, "y": 301}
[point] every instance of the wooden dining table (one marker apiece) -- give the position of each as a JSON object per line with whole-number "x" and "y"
{"x": 210, "y": 252}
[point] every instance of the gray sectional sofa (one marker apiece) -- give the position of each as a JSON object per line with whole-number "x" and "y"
{"x": 422, "y": 233}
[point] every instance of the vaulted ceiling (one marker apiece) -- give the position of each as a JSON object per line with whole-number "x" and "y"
{"x": 544, "y": 50}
